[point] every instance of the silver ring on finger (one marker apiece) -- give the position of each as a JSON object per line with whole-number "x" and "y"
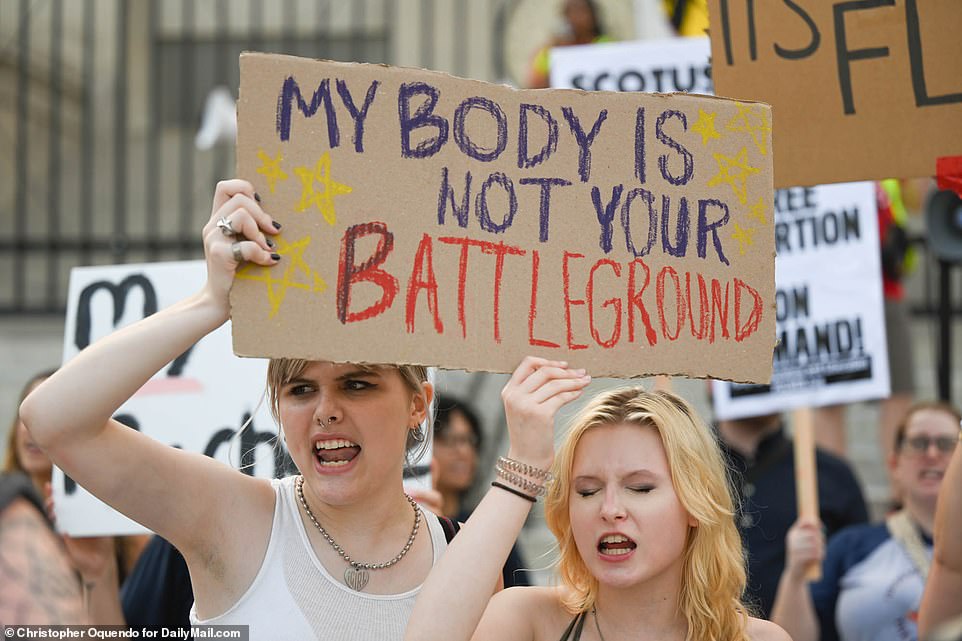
{"x": 225, "y": 227}
{"x": 235, "y": 249}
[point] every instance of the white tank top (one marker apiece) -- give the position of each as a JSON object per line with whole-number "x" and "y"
{"x": 293, "y": 597}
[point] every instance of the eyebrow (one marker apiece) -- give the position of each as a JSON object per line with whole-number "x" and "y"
{"x": 358, "y": 373}
{"x": 645, "y": 473}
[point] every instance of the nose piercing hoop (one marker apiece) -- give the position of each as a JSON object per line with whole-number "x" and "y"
{"x": 329, "y": 421}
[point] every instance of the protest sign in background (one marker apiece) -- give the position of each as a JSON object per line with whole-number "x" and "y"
{"x": 428, "y": 219}
{"x": 831, "y": 322}
{"x": 678, "y": 64}
{"x": 862, "y": 90}
{"x": 197, "y": 402}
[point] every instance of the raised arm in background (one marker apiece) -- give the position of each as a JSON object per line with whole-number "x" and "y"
{"x": 942, "y": 599}
{"x": 794, "y": 610}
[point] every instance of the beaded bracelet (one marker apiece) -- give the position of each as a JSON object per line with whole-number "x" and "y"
{"x": 514, "y": 491}
{"x": 520, "y": 482}
{"x": 524, "y": 468}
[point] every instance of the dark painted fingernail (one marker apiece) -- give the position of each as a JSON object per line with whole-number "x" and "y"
{"x": 276, "y": 224}
{"x": 257, "y": 196}
{"x": 270, "y": 243}
{"x": 276, "y": 256}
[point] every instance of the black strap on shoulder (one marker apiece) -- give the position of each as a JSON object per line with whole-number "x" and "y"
{"x": 450, "y": 527}
{"x": 573, "y": 631}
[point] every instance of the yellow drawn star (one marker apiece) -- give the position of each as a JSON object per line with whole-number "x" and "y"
{"x": 322, "y": 198}
{"x": 736, "y": 180}
{"x": 706, "y": 127}
{"x": 758, "y": 211}
{"x": 294, "y": 266}
{"x": 271, "y": 169}
{"x": 744, "y": 237}
{"x": 753, "y": 120}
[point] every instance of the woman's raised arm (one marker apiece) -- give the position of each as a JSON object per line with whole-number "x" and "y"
{"x": 456, "y": 593}
{"x": 793, "y": 608}
{"x": 69, "y": 415}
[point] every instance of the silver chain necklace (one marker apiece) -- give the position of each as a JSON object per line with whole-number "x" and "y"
{"x": 356, "y": 575}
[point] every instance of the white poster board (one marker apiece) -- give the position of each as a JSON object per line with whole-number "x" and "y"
{"x": 828, "y": 276}
{"x": 677, "y": 64}
{"x": 198, "y": 402}
{"x": 829, "y": 310}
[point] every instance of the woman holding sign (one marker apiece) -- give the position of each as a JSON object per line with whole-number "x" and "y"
{"x": 873, "y": 575}
{"x": 641, "y": 508}
{"x": 336, "y": 552}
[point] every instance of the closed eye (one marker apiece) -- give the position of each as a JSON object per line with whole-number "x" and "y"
{"x": 641, "y": 489}
{"x": 586, "y": 493}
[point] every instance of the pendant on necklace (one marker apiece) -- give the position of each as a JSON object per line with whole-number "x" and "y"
{"x": 356, "y": 578}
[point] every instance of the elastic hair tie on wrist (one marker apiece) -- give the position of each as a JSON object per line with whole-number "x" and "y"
{"x": 504, "y": 487}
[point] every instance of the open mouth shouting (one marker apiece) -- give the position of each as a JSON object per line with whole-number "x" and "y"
{"x": 335, "y": 454}
{"x": 615, "y": 547}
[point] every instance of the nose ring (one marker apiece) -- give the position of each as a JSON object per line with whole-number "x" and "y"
{"x": 329, "y": 421}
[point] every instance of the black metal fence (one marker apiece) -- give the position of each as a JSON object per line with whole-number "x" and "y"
{"x": 100, "y": 103}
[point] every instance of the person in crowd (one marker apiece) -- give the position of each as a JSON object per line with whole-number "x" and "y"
{"x": 337, "y": 551}
{"x": 642, "y": 511}
{"x": 941, "y": 602}
{"x": 873, "y": 575}
{"x": 38, "y": 585}
{"x": 456, "y": 448}
{"x": 101, "y": 562}
{"x": 22, "y": 454}
{"x": 762, "y": 458}
{"x": 582, "y": 26}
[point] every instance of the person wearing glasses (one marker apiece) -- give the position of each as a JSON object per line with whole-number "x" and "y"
{"x": 873, "y": 575}
{"x": 457, "y": 446}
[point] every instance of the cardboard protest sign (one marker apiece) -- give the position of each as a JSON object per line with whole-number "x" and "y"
{"x": 197, "y": 402}
{"x": 429, "y": 219}
{"x": 862, "y": 90}
{"x": 828, "y": 305}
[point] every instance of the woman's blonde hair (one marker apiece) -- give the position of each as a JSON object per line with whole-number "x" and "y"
{"x": 281, "y": 371}
{"x": 713, "y": 574}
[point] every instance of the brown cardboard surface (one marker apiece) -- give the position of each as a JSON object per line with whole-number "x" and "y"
{"x": 383, "y": 263}
{"x": 861, "y": 91}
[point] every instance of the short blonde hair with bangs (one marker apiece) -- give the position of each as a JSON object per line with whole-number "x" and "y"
{"x": 713, "y": 574}
{"x": 281, "y": 371}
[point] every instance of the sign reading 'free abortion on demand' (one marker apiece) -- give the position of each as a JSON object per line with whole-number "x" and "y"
{"x": 433, "y": 220}
{"x": 831, "y": 326}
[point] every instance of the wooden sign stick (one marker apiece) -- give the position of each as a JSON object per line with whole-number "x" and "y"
{"x": 806, "y": 476}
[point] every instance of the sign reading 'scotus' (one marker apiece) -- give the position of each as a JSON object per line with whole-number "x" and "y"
{"x": 433, "y": 220}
